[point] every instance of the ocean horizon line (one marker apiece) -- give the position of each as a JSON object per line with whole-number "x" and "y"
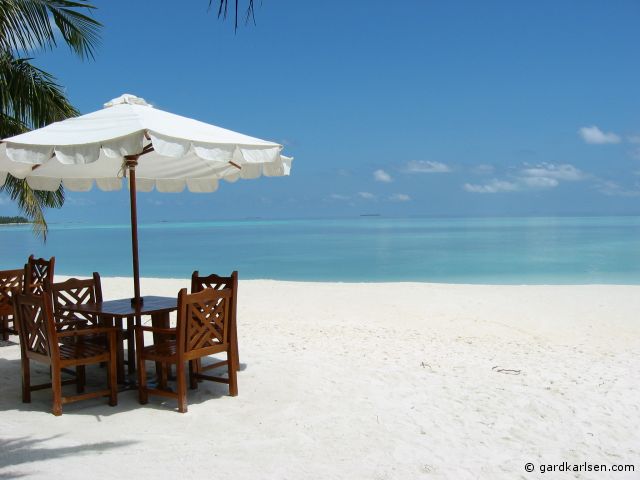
{"x": 458, "y": 250}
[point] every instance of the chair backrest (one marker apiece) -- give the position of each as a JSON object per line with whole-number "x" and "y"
{"x": 10, "y": 284}
{"x": 203, "y": 320}
{"x": 36, "y": 326}
{"x": 75, "y": 292}
{"x": 38, "y": 275}
{"x": 216, "y": 282}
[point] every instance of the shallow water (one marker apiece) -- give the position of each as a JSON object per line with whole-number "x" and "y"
{"x": 558, "y": 250}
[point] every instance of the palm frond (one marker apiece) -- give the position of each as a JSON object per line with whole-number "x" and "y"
{"x": 223, "y": 8}
{"x": 33, "y": 202}
{"x": 10, "y": 126}
{"x": 25, "y": 25}
{"x": 29, "y": 96}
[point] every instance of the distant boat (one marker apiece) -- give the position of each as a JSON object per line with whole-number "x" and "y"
{"x": 369, "y": 214}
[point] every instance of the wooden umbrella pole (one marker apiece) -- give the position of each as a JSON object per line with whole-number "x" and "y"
{"x": 132, "y": 162}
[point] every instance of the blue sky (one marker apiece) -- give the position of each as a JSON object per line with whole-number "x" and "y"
{"x": 401, "y": 108}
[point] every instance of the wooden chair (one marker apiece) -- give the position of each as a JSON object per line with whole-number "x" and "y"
{"x": 78, "y": 292}
{"x": 202, "y": 329}
{"x": 199, "y": 283}
{"x": 75, "y": 292}
{"x": 38, "y": 275}
{"x": 40, "y": 341}
{"x": 10, "y": 284}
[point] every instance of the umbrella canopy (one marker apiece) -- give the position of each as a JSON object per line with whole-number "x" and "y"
{"x": 81, "y": 151}
{"x": 153, "y": 148}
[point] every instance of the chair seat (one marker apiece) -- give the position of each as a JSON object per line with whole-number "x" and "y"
{"x": 168, "y": 348}
{"x": 81, "y": 350}
{"x": 97, "y": 339}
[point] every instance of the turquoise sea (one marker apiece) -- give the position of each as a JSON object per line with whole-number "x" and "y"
{"x": 559, "y": 250}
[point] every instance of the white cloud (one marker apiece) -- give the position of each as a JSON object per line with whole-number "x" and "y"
{"x": 595, "y": 136}
{"x": 613, "y": 189}
{"x": 564, "y": 171}
{"x": 426, "y": 166}
{"x": 494, "y": 186}
{"x": 382, "y": 176}
{"x": 399, "y": 197}
{"x": 338, "y": 196}
{"x": 366, "y": 195}
{"x": 540, "y": 182}
{"x": 633, "y": 138}
{"x": 544, "y": 175}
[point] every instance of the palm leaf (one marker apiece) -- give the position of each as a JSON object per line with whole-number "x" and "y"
{"x": 29, "y": 97}
{"x": 25, "y": 25}
{"x": 33, "y": 202}
{"x": 223, "y": 8}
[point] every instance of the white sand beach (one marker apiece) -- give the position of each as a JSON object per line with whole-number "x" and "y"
{"x": 367, "y": 381}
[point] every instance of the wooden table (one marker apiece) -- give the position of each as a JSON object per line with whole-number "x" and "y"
{"x": 112, "y": 312}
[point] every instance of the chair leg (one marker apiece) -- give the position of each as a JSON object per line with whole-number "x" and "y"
{"x": 112, "y": 375}
{"x": 236, "y": 362}
{"x": 232, "y": 371}
{"x": 26, "y": 380}
{"x": 182, "y": 388}
{"x": 162, "y": 377}
{"x": 198, "y": 367}
{"x": 56, "y": 386}
{"x": 80, "y": 378}
{"x": 193, "y": 381}
{"x": 4, "y": 324}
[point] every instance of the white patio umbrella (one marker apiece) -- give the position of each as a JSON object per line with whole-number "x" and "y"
{"x": 153, "y": 148}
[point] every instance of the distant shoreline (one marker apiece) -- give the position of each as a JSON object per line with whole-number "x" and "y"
{"x": 14, "y": 220}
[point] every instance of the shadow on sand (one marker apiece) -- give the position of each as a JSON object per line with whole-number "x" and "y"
{"x": 11, "y": 394}
{"x": 23, "y": 450}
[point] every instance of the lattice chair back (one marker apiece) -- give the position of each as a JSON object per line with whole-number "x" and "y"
{"x": 10, "y": 284}
{"x": 75, "y": 292}
{"x": 199, "y": 283}
{"x": 36, "y": 326}
{"x": 216, "y": 282}
{"x": 38, "y": 275}
{"x": 204, "y": 321}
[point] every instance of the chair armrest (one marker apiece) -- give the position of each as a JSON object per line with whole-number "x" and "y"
{"x": 165, "y": 331}
{"x": 88, "y": 331}
{"x": 70, "y": 322}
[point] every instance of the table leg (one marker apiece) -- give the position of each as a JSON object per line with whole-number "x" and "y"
{"x": 109, "y": 321}
{"x": 131, "y": 349}
{"x": 120, "y": 350}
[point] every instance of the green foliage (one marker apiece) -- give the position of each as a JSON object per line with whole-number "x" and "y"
{"x": 30, "y": 97}
{"x": 25, "y": 25}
